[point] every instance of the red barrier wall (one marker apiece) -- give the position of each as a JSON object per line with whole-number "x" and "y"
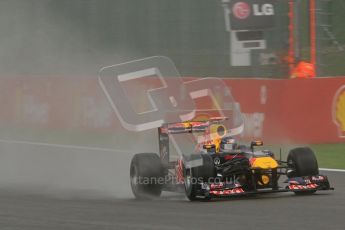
{"x": 296, "y": 110}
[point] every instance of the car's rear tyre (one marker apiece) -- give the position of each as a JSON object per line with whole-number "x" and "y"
{"x": 146, "y": 176}
{"x": 304, "y": 163}
{"x": 195, "y": 175}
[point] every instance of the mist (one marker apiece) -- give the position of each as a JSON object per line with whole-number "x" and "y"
{"x": 70, "y": 42}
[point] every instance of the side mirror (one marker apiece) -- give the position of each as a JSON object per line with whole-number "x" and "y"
{"x": 256, "y": 143}
{"x": 209, "y": 148}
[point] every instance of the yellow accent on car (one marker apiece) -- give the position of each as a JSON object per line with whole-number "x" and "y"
{"x": 217, "y": 141}
{"x": 264, "y": 163}
{"x": 259, "y": 143}
{"x": 217, "y": 131}
{"x": 265, "y": 179}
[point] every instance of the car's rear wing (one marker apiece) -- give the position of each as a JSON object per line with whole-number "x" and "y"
{"x": 181, "y": 127}
{"x": 190, "y": 126}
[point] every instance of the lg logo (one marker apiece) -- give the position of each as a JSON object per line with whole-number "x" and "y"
{"x": 263, "y": 10}
{"x": 242, "y": 10}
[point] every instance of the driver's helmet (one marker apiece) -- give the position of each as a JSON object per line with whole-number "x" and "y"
{"x": 227, "y": 144}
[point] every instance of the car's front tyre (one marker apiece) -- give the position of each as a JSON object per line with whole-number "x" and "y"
{"x": 194, "y": 176}
{"x": 304, "y": 163}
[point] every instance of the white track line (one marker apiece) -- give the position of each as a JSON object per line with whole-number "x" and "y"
{"x": 103, "y": 149}
{"x": 63, "y": 146}
{"x": 332, "y": 170}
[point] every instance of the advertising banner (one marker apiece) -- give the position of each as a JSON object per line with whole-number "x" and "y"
{"x": 293, "y": 111}
{"x": 252, "y": 15}
{"x": 276, "y": 111}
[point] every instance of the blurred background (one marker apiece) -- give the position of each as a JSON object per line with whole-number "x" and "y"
{"x": 49, "y": 37}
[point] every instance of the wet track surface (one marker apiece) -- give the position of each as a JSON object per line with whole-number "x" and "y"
{"x": 26, "y": 210}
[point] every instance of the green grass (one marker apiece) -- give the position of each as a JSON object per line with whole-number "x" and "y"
{"x": 328, "y": 155}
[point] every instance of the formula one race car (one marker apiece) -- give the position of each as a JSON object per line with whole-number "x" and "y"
{"x": 220, "y": 167}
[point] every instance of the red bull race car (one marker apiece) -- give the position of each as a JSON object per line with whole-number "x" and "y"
{"x": 218, "y": 166}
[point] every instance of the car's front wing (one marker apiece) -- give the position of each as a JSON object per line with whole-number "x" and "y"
{"x": 297, "y": 184}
